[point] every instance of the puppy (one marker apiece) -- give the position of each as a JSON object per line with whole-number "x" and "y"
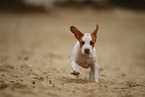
{"x": 84, "y": 53}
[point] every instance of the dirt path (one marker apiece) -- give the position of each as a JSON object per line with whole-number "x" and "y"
{"x": 35, "y": 51}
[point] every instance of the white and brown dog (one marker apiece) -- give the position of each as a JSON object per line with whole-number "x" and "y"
{"x": 84, "y": 53}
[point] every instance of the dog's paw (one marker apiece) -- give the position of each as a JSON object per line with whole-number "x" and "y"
{"x": 95, "y": 81}
{"x": 75, "y": 72}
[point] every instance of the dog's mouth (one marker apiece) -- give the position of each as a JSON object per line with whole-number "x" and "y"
{"x": 87, "y": 55}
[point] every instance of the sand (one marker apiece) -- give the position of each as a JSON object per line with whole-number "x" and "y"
{"x": 35, "y": 53}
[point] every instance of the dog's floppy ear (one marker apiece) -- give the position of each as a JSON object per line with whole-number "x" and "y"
{"x": 94, "y": 33}
{"x": 76, "y": 32}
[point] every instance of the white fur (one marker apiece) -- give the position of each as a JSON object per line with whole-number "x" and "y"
{"x": 79, "y": 58}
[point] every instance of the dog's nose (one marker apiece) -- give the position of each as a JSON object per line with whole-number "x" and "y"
{"x": 87, "y": 51}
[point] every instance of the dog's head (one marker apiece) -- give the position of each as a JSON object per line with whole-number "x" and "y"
{"x": 87, "y": 40}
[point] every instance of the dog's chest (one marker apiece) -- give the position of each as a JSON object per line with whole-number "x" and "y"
{"x": 84, "y": 61}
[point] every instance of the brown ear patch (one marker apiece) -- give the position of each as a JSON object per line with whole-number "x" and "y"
{"x": 78, "y": 35}
{"x": 76, "y": 32}
{"x": 94, "y": 35}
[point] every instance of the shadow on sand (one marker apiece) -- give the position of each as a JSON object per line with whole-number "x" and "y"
{"x": 78, "y": 81}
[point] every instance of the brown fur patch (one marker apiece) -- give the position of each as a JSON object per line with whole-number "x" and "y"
{"x": 75, "y": 73}
{"x": 80, "y": 40}
{"x": 93, "y": 40}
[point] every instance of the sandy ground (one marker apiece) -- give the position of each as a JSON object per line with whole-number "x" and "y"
{"x": 35, "y": 51}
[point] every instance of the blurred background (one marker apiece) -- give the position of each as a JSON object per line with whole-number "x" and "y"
{"x": 36, "y": 45}
{"x": 52, "y": 4}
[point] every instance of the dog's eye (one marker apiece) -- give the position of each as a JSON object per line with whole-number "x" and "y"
{"x": 82, "y": 42}
{"x": 91, "y": 43}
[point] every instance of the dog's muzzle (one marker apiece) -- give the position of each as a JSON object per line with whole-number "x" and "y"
{"x": 87, "y": 51}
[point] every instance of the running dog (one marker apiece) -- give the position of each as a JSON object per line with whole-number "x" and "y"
{"x": 84, "y": 53}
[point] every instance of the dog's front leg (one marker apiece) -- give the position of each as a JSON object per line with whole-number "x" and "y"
{"x": 94, "y": 72}
{"x": 75, "y": 70}
{"x": 91, "y": 73}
